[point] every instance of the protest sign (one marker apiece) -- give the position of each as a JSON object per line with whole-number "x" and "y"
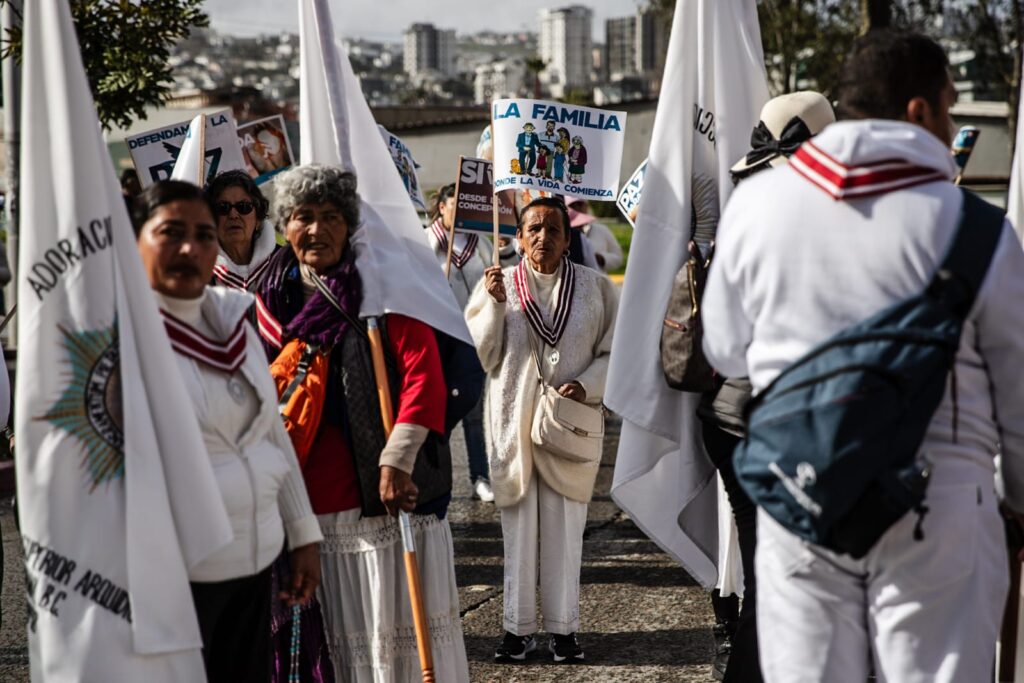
{"x": 266, "y": 148}
{"x": 629, "y": 198}
{"x": 473, "y": 200}
{"x": 406, "y": 166}
{"x": 558, "y": 148}
{"x": 155, "y": 152}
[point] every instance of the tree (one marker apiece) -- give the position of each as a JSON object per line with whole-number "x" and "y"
{"x": 125, "y": 45}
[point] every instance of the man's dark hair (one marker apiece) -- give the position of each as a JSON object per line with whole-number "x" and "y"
{"x": 551, "y": 203}
{"x": 242, "y": 180}
{"x": 885, "y": 70}
{"x": 160, "y": 193}
{"x": 444, "y": 194}
{"x": 128, "y": 175}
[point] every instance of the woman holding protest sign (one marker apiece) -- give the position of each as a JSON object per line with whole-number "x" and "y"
{"x": 470, "y": 257}
{"x": 235, "y": 401}
{"x": 543, "y": 330}
{"x": 357, "y": 478}
{"x": 247, "y": 239}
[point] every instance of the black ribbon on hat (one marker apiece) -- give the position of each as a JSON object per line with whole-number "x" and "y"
{"x": 764, "y": 146}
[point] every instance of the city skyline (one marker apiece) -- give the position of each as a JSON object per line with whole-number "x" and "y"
{"x": 364, "y": 18}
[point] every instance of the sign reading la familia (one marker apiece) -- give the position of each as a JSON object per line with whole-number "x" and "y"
{"x": 557, "y": 148}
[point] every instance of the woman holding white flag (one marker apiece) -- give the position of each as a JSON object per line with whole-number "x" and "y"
{"x": 543, "y": 330}
{"x": 358, "y": 480}
{"x": 247, "y": 238}
{"x": 220, "y": 357}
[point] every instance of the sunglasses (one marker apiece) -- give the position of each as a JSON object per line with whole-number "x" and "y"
{"x": 244, "y": 208}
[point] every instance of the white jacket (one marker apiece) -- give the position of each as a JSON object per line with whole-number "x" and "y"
{"x": 258, "y": 474}
{"x": 463, "y": 280}
{"x": 795, "y": 266}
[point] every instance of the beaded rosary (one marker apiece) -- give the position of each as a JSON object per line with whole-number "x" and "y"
{"x": 293, "y": 673}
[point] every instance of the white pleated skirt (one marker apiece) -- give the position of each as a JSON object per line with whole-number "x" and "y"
{"x": 365, "y": 599}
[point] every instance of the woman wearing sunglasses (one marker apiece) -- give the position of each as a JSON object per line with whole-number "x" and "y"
{"x": 246, "y": 237}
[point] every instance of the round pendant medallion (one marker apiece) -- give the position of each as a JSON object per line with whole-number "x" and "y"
{"x": 554, "y": 357}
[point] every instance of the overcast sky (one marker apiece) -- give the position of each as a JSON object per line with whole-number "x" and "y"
{"x": 386, "y": 20}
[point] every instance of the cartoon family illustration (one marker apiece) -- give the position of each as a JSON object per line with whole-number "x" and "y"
{"x": 550, "y": 154}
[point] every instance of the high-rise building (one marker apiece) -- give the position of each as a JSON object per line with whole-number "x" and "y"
{"x": 429, "y": 49}
{"x": 565, "y": 47}
{"x": 620, "y": 45}
{"x": 652, "y": 32}
{"x": 505, "y": 78}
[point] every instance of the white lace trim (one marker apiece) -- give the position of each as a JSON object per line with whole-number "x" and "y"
{"x": 369, "y": 534}
{"x": 380, "y": 649}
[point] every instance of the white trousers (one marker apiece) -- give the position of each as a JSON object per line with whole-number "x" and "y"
{"x": 924, "y": 611}
{"x": 555, "y": 523}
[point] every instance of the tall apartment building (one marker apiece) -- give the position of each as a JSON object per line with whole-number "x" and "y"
{"x": 652, "y": 33}
{"x": 620, "y": 46}
{"x": 429, "y": 49}
{"x": 565, "y": 46}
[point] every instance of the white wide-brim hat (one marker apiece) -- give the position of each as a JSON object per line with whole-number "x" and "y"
{"x": 787, "y": 121}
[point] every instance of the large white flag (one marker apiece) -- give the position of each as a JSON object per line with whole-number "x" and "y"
{"x": 117, "y": 496}
{"x": 713, "y": 90}
{"x": 397, "y": 265}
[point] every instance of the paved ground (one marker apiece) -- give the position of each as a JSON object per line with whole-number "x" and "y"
{"x": 643, "y": 618}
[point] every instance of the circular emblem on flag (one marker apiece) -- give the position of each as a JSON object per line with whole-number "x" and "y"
{"x": 90, "y": 408}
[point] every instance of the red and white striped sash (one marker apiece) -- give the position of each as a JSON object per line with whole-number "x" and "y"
{"x": 267, "y": 325}
{"x": 854, "y": 182}
{"x": 563, "y": 303}
{"x": 459, "y": 259}
{"x": 228, "y": 278}
{"x": 226, "y": 356}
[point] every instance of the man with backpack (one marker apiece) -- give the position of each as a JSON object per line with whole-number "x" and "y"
{"x": 879, "y": 313}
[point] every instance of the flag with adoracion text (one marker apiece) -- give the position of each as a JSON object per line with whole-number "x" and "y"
{"x": 712, "y": 92}
{"x": 117, "y": 497}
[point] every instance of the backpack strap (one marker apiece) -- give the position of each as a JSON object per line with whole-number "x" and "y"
{"x": 962, "y": 272}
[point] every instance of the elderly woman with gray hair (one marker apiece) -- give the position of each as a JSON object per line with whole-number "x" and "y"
{"x": 357, "y": 479}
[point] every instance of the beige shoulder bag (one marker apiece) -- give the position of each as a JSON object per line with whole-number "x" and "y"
{"x": 569, "y": 429}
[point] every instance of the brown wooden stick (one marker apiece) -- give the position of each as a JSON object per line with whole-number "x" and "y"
{"x": 412, "y": 567}
{"x": 451, "y": 232}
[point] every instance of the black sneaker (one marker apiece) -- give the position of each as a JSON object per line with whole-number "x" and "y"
{"x": 565, "y": 648}
{"x": 723, "y": 633}
{"x": 514, "y": 648}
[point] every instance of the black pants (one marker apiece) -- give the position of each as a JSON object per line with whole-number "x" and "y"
{"x": 743, "y": 662}
{"x": 234, "y": 618}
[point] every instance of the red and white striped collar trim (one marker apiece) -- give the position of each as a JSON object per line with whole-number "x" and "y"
{"x": 842, "y": 181}
{"x": 459, "y": 259}
{"x": 228, "y": 278}
{"x": 226, "y": 356}
{"x": 563, "y": 303}
{"x": 268, "y": 326}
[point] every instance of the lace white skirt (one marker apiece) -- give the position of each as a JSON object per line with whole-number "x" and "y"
{"x": 365, "y": 599}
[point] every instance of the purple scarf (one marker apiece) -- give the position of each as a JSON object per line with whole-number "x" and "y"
{"x": 315, "y": 321}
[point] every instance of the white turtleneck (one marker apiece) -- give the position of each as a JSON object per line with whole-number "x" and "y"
{"x": 233, "y": 400}
{"x": 544, "y": 288}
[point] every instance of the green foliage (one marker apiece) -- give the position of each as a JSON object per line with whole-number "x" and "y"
{"x": 125, "y": 46}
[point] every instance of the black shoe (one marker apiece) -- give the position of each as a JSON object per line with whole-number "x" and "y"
{"x": 565, "y": 648}
{"x": 514, "y": 648}
{"x": 723, "y": 633}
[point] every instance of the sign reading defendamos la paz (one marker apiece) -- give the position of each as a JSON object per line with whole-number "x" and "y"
{"x": 557, "y": 148}
{"x": 474, "y": 209}
{"x": 154, "y": 152}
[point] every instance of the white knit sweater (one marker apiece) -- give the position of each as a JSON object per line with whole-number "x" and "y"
{"x": 513, "y": 391}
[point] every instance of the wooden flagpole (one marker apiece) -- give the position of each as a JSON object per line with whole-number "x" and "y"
{"x": 451, "y": 231}
{"x": 412, "y": 568}
{"x": 202, "y": 151}
{"x": 495, "y": 218}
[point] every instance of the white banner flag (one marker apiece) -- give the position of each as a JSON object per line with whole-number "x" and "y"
{"x": 187, "y": 166}
{"x": 712, "y": 92}
{"x": 397, "y": 265}
{"x": 1015, "y": 198}
{"x": 557, "y": 148}
{"x": 116, "y": 493}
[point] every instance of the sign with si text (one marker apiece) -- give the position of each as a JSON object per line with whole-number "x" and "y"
{"x": 474, "y": 210}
